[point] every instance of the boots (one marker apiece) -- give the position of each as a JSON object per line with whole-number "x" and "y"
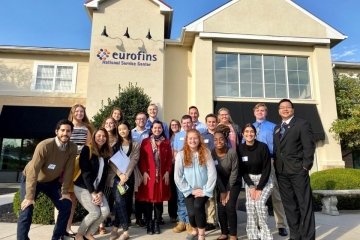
{"x": 149, "y": 227}
{"x": 156, "y": 228}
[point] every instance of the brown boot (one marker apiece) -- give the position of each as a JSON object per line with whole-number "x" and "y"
{"x": 180, "y": 227}
{"x": 189, "y": 228}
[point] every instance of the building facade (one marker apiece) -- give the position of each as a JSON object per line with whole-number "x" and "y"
{"x": 234, "y": 57}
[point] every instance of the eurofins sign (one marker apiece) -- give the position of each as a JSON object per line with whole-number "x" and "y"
{"x": 126, "y": 59}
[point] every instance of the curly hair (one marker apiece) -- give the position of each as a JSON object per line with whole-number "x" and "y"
{"x": 201, "y": 149}
{"x": 224, "y": 130}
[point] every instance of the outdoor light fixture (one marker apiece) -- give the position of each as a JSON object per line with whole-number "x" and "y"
{"x": 126, "y": 34}
{"x": 148, "y": 36}
{"x": 104, "y": 32}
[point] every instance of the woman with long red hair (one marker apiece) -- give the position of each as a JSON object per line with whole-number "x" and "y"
{"x": 195, "y": 176}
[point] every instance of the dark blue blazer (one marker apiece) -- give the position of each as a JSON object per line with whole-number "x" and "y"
{"x": 295, "y": 150}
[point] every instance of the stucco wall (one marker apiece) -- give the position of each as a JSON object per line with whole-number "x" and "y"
{"x": 139, "y": 16}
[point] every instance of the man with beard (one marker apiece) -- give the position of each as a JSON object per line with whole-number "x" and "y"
{"x": 53, "y": 158}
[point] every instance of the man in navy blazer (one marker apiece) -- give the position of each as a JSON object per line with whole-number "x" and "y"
{"x": 294, "y": 149}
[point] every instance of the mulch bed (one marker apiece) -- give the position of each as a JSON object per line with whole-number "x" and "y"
{"x": 6, "y": 211}
{"x": 7, "y": 214}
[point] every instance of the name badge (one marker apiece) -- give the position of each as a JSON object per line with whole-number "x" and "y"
{"x": 52, "y": 166}
{"x": 206, "y": 140}
{"x": 245, "y": 159}
{"x": 182, "y": 139}
{"x": 216, "y": 162}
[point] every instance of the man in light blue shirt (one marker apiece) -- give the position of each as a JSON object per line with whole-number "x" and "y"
{"x": 152, "y": 112}
{"x": 208, "y": 136}
{"x": 194, "y": 113}
{"x": 179, "y": 140}
{"x": 265, "y": 134}
{"x": 139, "y": 133}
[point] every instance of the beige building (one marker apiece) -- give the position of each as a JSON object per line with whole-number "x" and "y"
{"x": 237, "y": 55}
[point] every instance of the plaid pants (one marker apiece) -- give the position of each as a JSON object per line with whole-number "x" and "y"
{"x": 257, "y": 213}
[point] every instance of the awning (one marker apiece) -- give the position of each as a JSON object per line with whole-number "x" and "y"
{"x": 242, "y": 113}
{"x": 30, "y": 122}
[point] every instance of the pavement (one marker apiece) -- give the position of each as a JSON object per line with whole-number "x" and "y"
{"x": 346, "y": 226}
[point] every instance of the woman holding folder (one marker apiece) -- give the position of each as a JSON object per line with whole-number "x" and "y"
{"x": 123, "y": 163}
{"x": 155, "y": 164}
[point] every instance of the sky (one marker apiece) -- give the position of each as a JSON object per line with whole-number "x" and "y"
{"x": 66, "y": 24}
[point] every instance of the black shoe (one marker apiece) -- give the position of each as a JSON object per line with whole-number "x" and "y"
{"x": 209, "y": 227}
{"x": 140, "y": 222}
{"x": 149, "y": 228}
{"x": 156, "y": 228}
{"x": 161, "y": 222}
{"x": 283, "y": 232}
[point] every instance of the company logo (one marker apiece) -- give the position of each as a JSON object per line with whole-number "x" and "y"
{"x": 103, "y": 54}
{"x": 126, "y": 58}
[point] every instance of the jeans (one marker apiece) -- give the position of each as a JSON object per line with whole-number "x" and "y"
{"x": 121, "y": 211}
{"x": 52, "y": 190}
{"x": 96, "y": 214}
{"x": 181, "y": 211}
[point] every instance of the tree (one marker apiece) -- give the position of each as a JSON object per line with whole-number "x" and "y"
{"x": 131, "y": 99}
{"x": 347, "y": 126}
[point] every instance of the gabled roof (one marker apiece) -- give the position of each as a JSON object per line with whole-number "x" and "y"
{"x": 332, "y": 35}
{"x": 165, "y": 9}
{"x": 163, "y": 6}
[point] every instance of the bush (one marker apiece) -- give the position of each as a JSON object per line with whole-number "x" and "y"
{"x": 338, "y": 179}
{"x": 44, "y": 210}
{"x": 131, "y": 100}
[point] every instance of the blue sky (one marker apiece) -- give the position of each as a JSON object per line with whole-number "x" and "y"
{"x": 65, "y": 23}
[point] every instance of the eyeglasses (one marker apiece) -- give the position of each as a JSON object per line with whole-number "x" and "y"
{"x": 282, "y": 108}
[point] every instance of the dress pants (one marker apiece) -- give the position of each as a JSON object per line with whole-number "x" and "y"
{"x": 297, "y": 200}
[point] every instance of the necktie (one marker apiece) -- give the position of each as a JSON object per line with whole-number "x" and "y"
{"x": 282, "y": 130}
{"x": 258, "y": 128}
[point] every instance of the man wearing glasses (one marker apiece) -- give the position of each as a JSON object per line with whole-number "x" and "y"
{"x": 294, "y": 149}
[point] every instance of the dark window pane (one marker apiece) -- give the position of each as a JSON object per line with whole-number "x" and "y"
{"x": 269, "y": 76}
{"x": 291, "y": 63}
{"x": 257, "y": 90}
{"x": 256, "y": 76}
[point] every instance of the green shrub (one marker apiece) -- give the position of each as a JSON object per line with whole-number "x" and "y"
{"x": 131, "y": 100}
{"x": 338, "y": 179}
{"x": 44, "y": 210}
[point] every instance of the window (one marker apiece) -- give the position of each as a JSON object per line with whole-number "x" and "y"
{"x": 16, "y": 153}
{"x": 261, "y": 76}
{"x": 50, "y": 77}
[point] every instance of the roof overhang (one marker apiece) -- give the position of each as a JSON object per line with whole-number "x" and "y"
{"x": 333, "y": 37}
{"x": 166, "y": 10}
{"x": 38, "y": 50}
{"x": 350, "y": 65}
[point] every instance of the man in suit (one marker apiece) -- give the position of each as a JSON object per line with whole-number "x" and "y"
{"x": 294, "y": 155}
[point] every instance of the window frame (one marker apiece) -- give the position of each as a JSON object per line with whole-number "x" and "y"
{"x": 55, "y": 65}
{"x": 263, "y": 80}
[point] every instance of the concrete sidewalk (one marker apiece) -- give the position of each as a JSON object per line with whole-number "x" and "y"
{"x": 346, "y": 226}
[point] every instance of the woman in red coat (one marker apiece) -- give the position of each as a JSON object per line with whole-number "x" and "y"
{"x": 155, "y": 165}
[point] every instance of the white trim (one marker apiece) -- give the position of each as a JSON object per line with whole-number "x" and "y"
{"x": 73, "y": 77}
{"x": 163, "y": 7}
{"x": 263, "y": 38}
{"x": 331, "y": 32}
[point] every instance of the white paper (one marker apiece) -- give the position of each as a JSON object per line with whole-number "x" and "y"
{"x": 121, "y": 161}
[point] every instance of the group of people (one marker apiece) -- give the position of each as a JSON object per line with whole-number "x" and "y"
{"x": 199, "y": 168}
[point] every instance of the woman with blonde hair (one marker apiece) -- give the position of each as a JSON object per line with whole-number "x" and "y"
{"x": 224, "y": 117}
{"x": 195, "y": 177}
{"x": 89, "y": 186}
{"x": 81, "y": 136}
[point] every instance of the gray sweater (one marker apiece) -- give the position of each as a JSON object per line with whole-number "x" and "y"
{"x": 227, "y": 169}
